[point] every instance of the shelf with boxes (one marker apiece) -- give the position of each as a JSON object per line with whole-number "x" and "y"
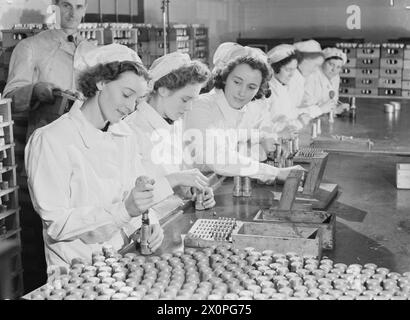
{"x": 9, "y": 203}
{"x": 375, "y": 70}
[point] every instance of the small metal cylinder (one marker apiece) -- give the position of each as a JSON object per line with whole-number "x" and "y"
{"x": 314, "y": 130}
{"x": 199, "y": 201}
{"x": 237, "y": 187}
{"x": 319, "y": 126}
{"x": 247, "y": 187}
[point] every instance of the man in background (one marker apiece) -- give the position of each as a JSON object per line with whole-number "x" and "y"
{"x": 44, "y": 63}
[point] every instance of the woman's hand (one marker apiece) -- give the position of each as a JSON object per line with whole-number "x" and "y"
{"x": 188, "y": 178}
{"x": 140, "y": 198}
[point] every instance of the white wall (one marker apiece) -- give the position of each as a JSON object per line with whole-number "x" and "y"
{"x": 287, "y": 18}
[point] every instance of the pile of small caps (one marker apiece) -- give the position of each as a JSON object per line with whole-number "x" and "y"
{"x": 223, "y": 272}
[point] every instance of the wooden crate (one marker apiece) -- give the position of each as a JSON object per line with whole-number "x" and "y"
{"x": 348, "y": 82}
{"x": 366, "y": 91}
{"x": 348, "y": 73}
{"x": 405, "y": 85}
{"x": 344, "y": 143}
{"x": 391, "y": 73}
{"x": 344, "y": 90}
{"x": 278, "y": 237}
{"x": 392, "y": 53}
{"x": 366, "y": 83}
{"x": 405, "y": 93}
{"x": 406, "y": 74}
{"x": 390, "y": 92}
{"x": 367, "y": 73}
{"x": 403, "y": 175}
{"x": 388, "y": 63}
{"x": 350, "y": 63}
{"x": 326, "y": 221}
{"x": 368, "y": 53}
{"x": 393, "y": 83}
{"x": 350, "y": 52}
{"x": 368, "y": 62}
{"x": 406, "y": 55}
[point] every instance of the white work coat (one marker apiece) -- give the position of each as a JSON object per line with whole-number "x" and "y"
{"x": 297, "y": 91}
{"x": 45, "y": 57}
{"x": 161, "y": 143}
{"x": 79, "y": 178}
{"x": 281, "y": 104}
{"x": 318, "y": 88}
{"x": 211, "y": 115}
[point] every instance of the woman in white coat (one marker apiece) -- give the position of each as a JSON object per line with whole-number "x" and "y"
{"x": 218, "y": 119}
{"x": 82, "y": 175}
{"x": 311, "y": 58}
{"x": 284, "y": 62}
{"x": 176, "y": 81}
{"x": 323, "y": 85}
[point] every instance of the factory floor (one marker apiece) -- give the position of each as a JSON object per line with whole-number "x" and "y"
{"x": 373, "y": 216}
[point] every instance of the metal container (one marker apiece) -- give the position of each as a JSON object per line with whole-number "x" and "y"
{"x": 237, "y": 187}
{"x": 247, "y": 187}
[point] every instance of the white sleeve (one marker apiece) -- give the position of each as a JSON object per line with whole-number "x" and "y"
{"x": 49, "y": 169}
{"x": 20, "y": 84}
{"x": 199, "y": 123}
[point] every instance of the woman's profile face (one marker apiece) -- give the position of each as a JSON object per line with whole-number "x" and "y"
{"x": 287, "y": 71}
{"x": 242, "y": 84}
{"x": 177, "y": 102}
{"x": 332, "y": 67}
{"x": 118, "y": 98}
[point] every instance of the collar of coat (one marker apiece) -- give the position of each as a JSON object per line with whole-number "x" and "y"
{"x": 90, "y": 135}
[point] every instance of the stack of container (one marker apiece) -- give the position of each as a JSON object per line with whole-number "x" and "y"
{"x": 367, "y": 73}
{"x": 391, "y": 69}
{"x": 406, "y": 72}
{"x": 199, "y": 42}
{"x": 348, "y": 74}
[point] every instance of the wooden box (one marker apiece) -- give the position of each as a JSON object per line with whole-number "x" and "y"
{"x": 344, "y": 143}
{"x": 406, "y": 64}
{"x": 278, "y": 237}
{"x": 403, "y": 175}
{"x": 391, "y": 92}
{"x": 395, "y": 53}
{"x": 348, "y": 82}
{"x": 367, "y": 73}
{"x": 391, "y": 73}
{"x": 326, "y": 221}
{"x": 405, "y": 85}
{"x": 344, "y": 90}
{"x": 350, "y": 63}
{"x": 350, "y": 52}
{"x": 366, "y": 91}
{"x": 348, "y": 73}
{"x": 368, "y": 53}
{"x": 406, "y": 74}
{"x": 390, "y": 83}
{"x": 366, "y": 83}
{"x": 405, "y": 93}
{"x": 391, "y": 63}
{"x": 406, "y": 55}
{"x": 368, "y": 62}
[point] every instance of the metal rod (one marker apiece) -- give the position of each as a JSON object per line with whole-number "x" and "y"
{"x": 100, "y": 9}
{"x": 116, "y": 10}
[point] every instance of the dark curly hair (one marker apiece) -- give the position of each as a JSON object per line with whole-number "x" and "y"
{"x": 256, "y": 64}
{"x": 277, "y": 66}
{"x": 88, "y": 79}
{"x": 193, "y": 73}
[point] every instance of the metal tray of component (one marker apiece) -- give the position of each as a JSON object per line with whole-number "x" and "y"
{"x": 326, "y": 221}
{"x": 278, "y": 237}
